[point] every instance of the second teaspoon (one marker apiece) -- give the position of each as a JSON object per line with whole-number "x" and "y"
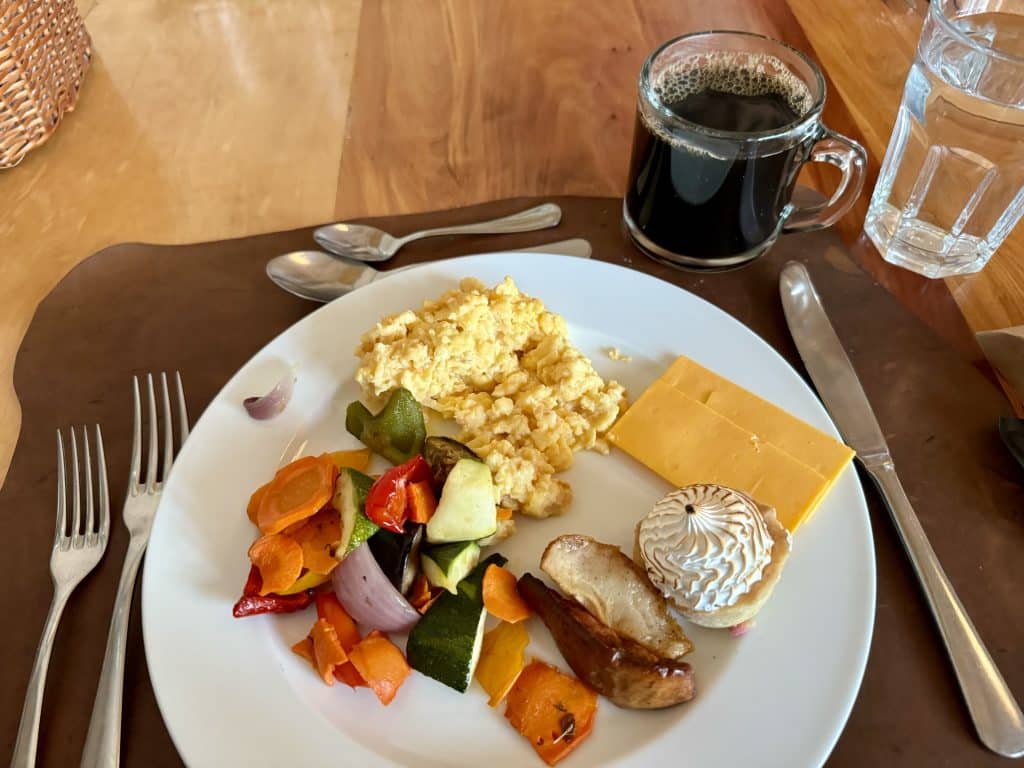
{"x": 318, "y": 276}
{"x": 362, "y": 242}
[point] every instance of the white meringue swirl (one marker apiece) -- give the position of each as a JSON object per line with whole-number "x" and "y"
{"x": 705, "y": 546}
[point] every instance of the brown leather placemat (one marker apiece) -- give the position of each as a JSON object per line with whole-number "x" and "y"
{"x": 205, "y": 309}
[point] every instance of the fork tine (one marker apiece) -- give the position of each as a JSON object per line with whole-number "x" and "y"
{"x": 89, "y": 511}
{"x": 104, "y": 491}
{"x": 168, "y": 427}
{"x": 153, "y": 453}
{"x": 62, "y": 490}
{"x": 76, "y": 493}
{"x": 182, "y": 412}
{"x": 133, "y": 475}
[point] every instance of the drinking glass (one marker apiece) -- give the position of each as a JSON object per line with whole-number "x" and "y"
{"x": 725, "y": 120}
{"x": 951, "y": 186}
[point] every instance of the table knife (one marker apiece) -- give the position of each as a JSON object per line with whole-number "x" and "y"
{"x": 995, "y": 713}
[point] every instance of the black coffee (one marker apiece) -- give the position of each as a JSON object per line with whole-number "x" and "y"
{"x": 715, "y": 203}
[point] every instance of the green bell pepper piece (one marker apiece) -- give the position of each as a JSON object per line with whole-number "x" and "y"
{"x": 396, "y": 433}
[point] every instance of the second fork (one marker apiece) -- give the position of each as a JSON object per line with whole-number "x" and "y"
{"x": 103, "y": 741}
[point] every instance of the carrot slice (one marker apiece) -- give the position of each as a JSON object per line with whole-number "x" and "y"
{"x": 304, "y": 648}
{"x": 327, "y": 650}
{"x": 330, "y": 610}
{"x": 501, "y": 659}
{"x": 279, "y": 560}
{"x": 504, "y": 513}
{"x": 358, "y": 459}
{"x": 348, "y": 675}
{"x": 328, "y": 607}
{"x": 297, "y": 491}
{"x": 555, "y": 712}
{"x": 501, "y": 597}
{"x": 318, "y": 536}
{"x": 420, "y": 501}
{"x": 255, "y": 500}
{"x": 381, "y": 664}
{"x": 419, "y": 593}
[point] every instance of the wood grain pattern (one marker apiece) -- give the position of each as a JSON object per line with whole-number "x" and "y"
{"x": 456, "y": 102}
{"x": 260, "y": 115}
{"x": 213, "y": 128}
{"x": 547, "y": 108}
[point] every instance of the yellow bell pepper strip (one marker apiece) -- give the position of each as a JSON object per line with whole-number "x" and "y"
{"x": 308, "y": 580}
{"x": 358, "y": 459}
{"x": 501, "y": 659}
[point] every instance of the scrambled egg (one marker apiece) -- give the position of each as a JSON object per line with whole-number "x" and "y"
{"x": 502, "y": 366}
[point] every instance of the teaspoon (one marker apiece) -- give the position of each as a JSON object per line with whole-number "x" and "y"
{"x": 362, "y": 242}
{"x": 318, "y": 276}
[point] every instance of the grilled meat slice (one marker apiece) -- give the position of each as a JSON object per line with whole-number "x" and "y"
{"x": 624, "y": 671}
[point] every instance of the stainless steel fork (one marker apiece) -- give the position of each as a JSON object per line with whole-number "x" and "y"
{"x": 76, "y": 551}
{"x": 103, "y": 741}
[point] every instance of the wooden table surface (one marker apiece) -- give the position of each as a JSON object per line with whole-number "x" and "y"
{"x": 221, "y": 118}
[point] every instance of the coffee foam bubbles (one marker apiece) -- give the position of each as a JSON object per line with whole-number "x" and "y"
{"x": 740, "y": 73}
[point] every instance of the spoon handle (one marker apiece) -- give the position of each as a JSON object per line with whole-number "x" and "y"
{"x": 539, "y": 217}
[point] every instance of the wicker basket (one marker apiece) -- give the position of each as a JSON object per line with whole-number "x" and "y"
{"x": 44, "y": 52}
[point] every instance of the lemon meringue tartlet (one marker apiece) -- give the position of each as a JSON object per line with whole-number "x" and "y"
{"x": 714, "y": 552}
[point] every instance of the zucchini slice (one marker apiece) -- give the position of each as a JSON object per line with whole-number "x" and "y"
{"x": 349, "y": 499}
{"x": 445, "y": 643}
{"x": 448, "y": 564}
{"x": 466, "y": 509}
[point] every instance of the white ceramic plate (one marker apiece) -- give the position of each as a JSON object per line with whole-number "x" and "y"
{"x": 231, "y": 691}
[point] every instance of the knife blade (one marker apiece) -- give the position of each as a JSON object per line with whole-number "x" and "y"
{"x": 996, "y": 715}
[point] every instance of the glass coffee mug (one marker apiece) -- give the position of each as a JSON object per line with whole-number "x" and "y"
{"x": 725, "y": 120}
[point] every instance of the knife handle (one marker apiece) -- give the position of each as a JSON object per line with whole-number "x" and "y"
{"x": 996, "y": 715}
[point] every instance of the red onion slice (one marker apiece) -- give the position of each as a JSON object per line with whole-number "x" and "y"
{"x": 369, "y": 596}
{"x": 274, "y": 401}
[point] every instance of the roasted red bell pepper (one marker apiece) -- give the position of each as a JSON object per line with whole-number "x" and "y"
{"x": 387, "y": 502}
{"x": 252, "y": 603}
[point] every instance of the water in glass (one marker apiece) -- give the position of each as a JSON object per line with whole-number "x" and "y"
{"x": 951, "y": 186}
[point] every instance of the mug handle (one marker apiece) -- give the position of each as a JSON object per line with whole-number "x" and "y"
{"x": 850, "y": 158}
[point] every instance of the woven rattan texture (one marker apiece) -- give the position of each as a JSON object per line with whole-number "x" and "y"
{"x": 44, "y": 53}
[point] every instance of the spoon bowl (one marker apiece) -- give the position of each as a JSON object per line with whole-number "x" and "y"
{"x": 357, "y": 241}
{"x": 316, "y": 275}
